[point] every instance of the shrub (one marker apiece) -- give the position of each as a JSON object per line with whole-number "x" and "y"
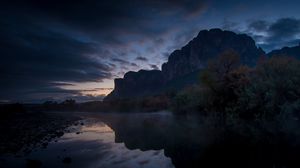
{"x": 273, "y": 89}
{"x": 224, "y": 78}
{"x": 189, "y": 100}
{"x": 269, "y": 90}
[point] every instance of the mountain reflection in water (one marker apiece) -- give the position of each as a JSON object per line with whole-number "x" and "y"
{"x": 158, "y": 140}
{"x": 194, "y": 141}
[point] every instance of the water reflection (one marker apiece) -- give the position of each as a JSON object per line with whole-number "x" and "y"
{"x": 194, "y": 142}
{"x": 159, "y": 140}
{"x": 91, "y": 146}
{"x": 183, "y": 139}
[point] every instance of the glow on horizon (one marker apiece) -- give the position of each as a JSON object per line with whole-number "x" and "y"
{"x": 91, "y": 88}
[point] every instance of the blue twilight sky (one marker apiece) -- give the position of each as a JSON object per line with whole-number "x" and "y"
{"x": 57, "y": 49}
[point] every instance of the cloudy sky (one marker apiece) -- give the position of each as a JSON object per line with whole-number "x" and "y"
{"x": 57, "y": 49}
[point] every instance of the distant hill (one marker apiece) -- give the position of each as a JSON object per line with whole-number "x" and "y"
{"x": 183, "y": 66}
{"x": 287, "y": 51}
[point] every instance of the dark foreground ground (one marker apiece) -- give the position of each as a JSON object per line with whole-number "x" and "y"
{"x": 21, "y": 131}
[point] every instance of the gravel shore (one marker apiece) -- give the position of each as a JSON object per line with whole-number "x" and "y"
{"x": 21, "y": 132}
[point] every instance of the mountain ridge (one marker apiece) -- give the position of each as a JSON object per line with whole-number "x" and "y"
{"x": 184, "y": 63}
{"x": 289, "y": 51}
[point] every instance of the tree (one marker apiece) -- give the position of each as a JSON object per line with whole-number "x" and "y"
{"x": 224, "y": 64}
{"x": 273, "y": 88}
{"x": 222, "y": 77}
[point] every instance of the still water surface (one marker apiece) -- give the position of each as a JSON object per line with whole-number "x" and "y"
{"x": 153, "y": 140}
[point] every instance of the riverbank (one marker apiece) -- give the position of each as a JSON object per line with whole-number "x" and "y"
{"x": 21, "y": 131}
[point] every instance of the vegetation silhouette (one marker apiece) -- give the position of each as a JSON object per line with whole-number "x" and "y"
{"x": 230, "y": 88}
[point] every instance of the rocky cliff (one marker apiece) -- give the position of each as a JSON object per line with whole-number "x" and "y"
{"x": 183, "y": 65}
{"x": 135, "y": 84}
{"x": 207, "y": 45}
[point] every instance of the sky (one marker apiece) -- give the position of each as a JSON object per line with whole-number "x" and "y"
{"x": 60, "y": 49}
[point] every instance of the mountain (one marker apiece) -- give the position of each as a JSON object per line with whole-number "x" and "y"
{"x": 137, "y": 84}
{"x": 207, "y": 45}
{"x": 287, "y": 51}
{"x": 183, "y": 66}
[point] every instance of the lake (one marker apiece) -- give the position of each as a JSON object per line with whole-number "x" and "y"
{"x": 151, "y": 140}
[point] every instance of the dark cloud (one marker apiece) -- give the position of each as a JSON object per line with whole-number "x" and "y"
{"x": 229, "y": 25}
{"x": 166, "y": 54}
{"x": 112, "y": 65}
{"x": 272, "y": 35}
{"x": 119, "y": 17}
{"x": 285, "y": 28}
{"x": 121, "y": 61}
{"x": 141, "y": 59}
{"x": 153, "y": 66}
{"x": 134, "y": 65}
{"x": 34, "y": 59}
{"x": 259, "y": 25}
{"x": 124, "y": 64}
{"x": 37, "y": 93}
